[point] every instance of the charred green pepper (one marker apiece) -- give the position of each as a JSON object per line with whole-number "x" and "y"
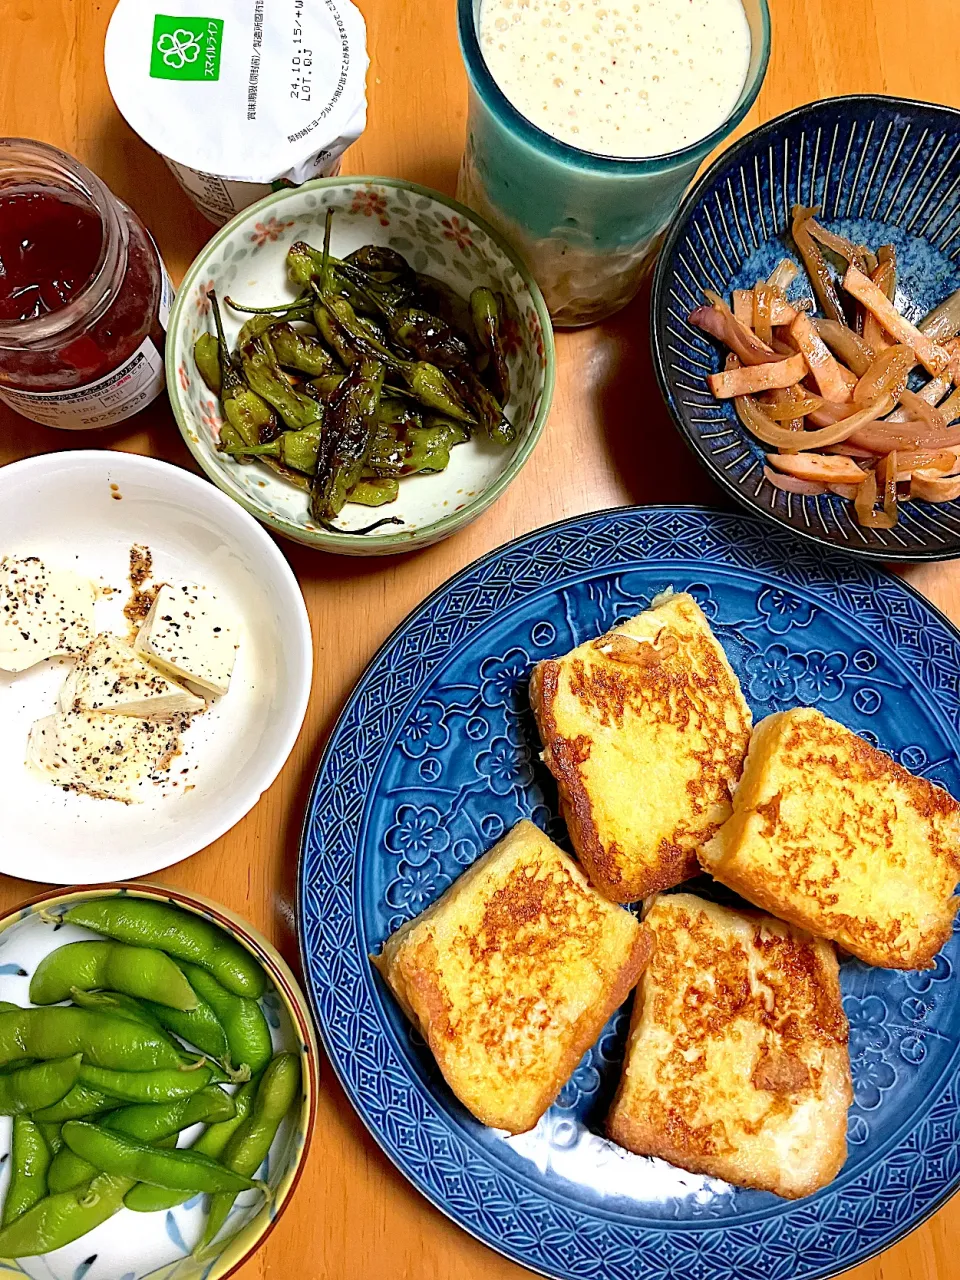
{"x": 487, "y": 308}
{"x": 351, "y": 426}
{"x": 246, "y": 412}
{"x": 266, "y": 378}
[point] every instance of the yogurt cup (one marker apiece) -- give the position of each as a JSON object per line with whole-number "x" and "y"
{"x": 240, "y": 97}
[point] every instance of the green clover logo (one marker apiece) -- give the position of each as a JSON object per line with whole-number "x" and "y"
{"x": 178, "y": 48}
{"x": 186, "y": 48}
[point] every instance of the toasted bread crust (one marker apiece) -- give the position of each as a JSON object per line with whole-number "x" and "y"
{"x": 830, "y": 833}
{"x": 691, "y": 687}
{"x": 512, "y": 975}
{"x": 737, "y": 1065}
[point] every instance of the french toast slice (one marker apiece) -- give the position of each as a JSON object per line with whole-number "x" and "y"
{"x": 511, "y": 975}
{"x": 830, "y": 833}
{"x": 645, "y": 730}
{"x": 737, "y": 1063}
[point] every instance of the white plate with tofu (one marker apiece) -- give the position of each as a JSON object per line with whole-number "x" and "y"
{"x": 155, "y": 665}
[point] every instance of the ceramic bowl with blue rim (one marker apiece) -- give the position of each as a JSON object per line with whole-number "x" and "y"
{"x": 436, "y": 756}
{"x": 246, "y": 260}
{"x": 157, "y": 1246}
{"x": 883, "y": 171}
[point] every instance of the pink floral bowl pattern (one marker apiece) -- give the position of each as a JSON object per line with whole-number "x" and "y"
{"x": 246, "y": 260}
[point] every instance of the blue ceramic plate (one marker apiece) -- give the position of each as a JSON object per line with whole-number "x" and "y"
{"x": 436, "y": 756}
{"x": 883, "y": 170}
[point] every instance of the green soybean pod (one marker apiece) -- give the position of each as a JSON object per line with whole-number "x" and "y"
{"x": 79, "y": 1103}
{"x": 7, "y": 1007}
{"x": 29, "y": 1163}
{"x": 124, "y": 1006}
{"x": 92, "y": 966}
{"x": 248, "y": 1148}
{"x": 33, "y": 1088}
{"x": 246, "y": 1028}
{"x": 128, "y": 1158}
{"x": 212, "y": 1142}
{"x": 51, "y": 1133}
{"x": 58, "y": 1220}
{"x": 166, "y": 1085}
{"x": 148, "y": 1122}
{"x": 144, "y": 922}
{"x": 200, "y": 1027}
{"x": 103, "y": 1040}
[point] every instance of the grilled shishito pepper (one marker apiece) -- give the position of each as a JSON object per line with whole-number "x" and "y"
{"x": 487, "y": 309}
{"x": 295, "y": 350}
{"x": 264, "y": 376}
{"x": 350, "y": 429}
{"x": 250, "y": 417}
{"x": 428, "y": 447}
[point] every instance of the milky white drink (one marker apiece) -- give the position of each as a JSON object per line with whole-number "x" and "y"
{"x": 638, "y": 87}
{"x": 630, "y": 78}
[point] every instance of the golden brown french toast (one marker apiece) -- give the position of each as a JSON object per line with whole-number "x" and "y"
{"x": 830, "y": 833}
{"x": 737, "y": 1063}
{"x": 512, "y": 974}
{"x": 645, "y": 730}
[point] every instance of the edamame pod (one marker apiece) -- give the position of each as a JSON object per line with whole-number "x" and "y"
{"x": 200, "y": 1027}
{"x": 29, "y": 1163}
{"x": 148, "y": 1122}
{"x": 80, "y": 1102}
{"x": 166, "y": 1085}
{"x": 90, "y": 966}
{"x": 146, "y": 923}
{"x": 124, "y": 1006}
{"x": 212, "y": 1142}
{"x": 59, "y": 1220}
{"x": 33, "y": 1088}
{"x": 104, "y": 1041}
{"x": 51, "y": 1133}
{"x": 248, "y": 1148}
{"x": 128, "y": 1158}
{"x": 246, "y": 1029}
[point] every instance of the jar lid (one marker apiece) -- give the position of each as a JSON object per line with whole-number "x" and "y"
{"x": 249, "y": 90}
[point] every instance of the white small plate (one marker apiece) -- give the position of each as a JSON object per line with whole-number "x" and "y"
{"x": 62, "y": 508}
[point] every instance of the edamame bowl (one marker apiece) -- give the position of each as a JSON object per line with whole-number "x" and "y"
{"x": 270, "y": 1119}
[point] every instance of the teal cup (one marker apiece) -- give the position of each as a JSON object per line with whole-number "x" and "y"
{"x": 588, "y": 225}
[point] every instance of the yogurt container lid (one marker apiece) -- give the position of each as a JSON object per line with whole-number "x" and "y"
{"x": 250, "y": 90}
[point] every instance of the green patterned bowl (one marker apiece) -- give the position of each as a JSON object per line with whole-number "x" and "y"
{"x": 436, "y": 235}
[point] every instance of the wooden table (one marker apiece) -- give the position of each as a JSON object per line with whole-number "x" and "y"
{"x": 609, "y": 442}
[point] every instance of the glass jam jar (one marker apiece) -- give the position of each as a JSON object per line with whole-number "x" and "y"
{"x": 84, "y": 294}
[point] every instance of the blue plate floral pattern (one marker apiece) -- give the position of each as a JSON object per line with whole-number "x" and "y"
{"x": 436, "y": 756}
{"x": 883, "y": 170}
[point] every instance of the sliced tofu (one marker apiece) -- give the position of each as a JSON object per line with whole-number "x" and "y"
{"x": 106, "y": 756}
{"x": 187, "y": 635}
{"x": 43, "y": 612}
{"x": 110, "y": 678}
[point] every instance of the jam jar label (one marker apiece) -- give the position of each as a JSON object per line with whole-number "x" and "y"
{"x": 104, "y": 403}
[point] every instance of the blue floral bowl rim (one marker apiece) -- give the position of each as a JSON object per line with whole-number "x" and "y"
{"x": 660, "y": 280}
{"x": 393, "y": 1152}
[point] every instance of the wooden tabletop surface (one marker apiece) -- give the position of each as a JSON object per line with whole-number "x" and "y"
{"x": 608, "y": 442}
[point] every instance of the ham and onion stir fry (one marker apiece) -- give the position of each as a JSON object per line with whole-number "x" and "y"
{"x": 829, "y": 394}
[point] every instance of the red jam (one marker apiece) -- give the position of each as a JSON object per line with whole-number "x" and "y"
{"x": 49, "y": 248}
{"x": 52, "y": 264}
{"x": 83, "y": 294}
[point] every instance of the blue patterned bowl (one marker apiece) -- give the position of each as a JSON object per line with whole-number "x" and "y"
{"x": 883, "y": 170}
{"x": 436, "y": 755}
